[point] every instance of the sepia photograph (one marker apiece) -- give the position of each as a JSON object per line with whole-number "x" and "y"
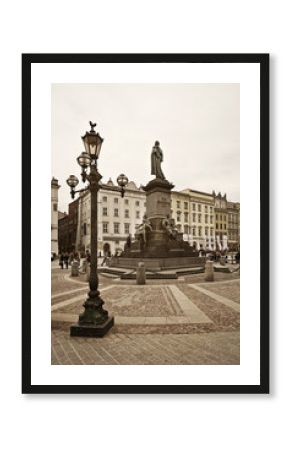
{"x": 145, "y": 243}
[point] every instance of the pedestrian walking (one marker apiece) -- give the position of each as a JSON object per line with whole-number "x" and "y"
{"x": 88, "y": 256}
{"x": 65, "y": 260}
{"x": 76, "y": 257}
{"x": 61, "y": 260}
{"x": 70, "y": 258}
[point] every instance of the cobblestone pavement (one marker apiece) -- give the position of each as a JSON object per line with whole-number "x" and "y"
{"x": 184, "y": 321}
{"x": 126, "y": 349}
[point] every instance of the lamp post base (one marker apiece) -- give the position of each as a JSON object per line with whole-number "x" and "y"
{"x": 87, "y": 330}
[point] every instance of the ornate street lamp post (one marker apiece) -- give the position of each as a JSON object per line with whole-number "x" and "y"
{"x": 94, "y": 321}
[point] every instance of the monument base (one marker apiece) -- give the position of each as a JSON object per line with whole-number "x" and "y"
{"x": 87, "y": 330}
{"x": 158, "y": 263}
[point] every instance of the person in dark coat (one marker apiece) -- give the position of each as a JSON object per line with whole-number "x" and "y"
{"x": 238, "y": 258}
{"x": 65, "y": 260}
{"x": 88, "y": 256}
{"x": 61, "y": 260}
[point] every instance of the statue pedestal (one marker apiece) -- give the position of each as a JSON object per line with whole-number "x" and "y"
{"x": 158, "y": 199}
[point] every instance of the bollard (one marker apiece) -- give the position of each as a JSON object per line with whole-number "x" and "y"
{"x": 141, "y": 274}
{"x": 75, "y": 269}
{"x": 209, "y": 271}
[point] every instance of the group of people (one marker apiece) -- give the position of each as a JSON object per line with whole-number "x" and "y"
{"x": 66, "y": 259}
{"x": 83, "y": 258}
{"x": 216, "y": 255}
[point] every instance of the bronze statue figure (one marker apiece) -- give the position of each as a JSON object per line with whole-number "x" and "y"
{"x": 156, "y": 160}
{"x": 143, "y": 229}
{"x": 169, "y": 226}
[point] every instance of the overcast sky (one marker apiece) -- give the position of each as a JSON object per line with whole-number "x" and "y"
{"x": 197, "y": 125}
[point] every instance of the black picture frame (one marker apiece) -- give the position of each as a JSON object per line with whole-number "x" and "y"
{"x": 263, "y": 61}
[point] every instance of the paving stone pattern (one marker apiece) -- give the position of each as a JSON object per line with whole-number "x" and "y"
{"x": 185, "y": 321}
{"x": 222, "y": 316}
{"x": 151, "y": 301}
{"x": 228, "y": 290}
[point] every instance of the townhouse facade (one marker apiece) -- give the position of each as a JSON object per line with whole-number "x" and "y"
{"x": 193, "y": 212}
{"x": 233, "y": 226}
{"x": 67, "y": 228}
{"x": 117, "y": 217}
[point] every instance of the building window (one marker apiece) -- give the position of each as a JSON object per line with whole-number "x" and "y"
{"x": 137, "y": 214}
{"x": 199, "y": 208}
{"x": 194, "y": 217}
{"x": 216, "y": 217}
{"x": 105, "y": 199}
{"x": 116, "y": 228}
{"x": 179, "y": 228}
{"x": 225, "y": 226}
{"x": 55, "y": 206}
{"x": 127, "y": 228}
{"x": 221, "y": 217}
{"x": 205, "y": 208}
{"x": 105, "y": 211}
{"x": 178, "y": 204}
{"x": 225, "y": 218}
{"x": 193, "y": 231}
{"x": 193, "y": 206}
{"x": 185, "y": 205}
{"x": 211, "y": 219}
{"x": 199, "y": 218}
{"x": 210, "y": 209}
{"x": 126, "y": 201}
{"x": 144, "y": 204}
{"x": 127, "y": 213}
{"x": 116, "y": 212}
{"x": 186, "y": 229}
{"x": 199, "y": 231}
{"x": 178, "y": 217}
{"x": 211, "y": 231}
{"x": 116, "y": 200}
{"x": 185, "y": 217}
{"x": 105, "y": 227}
{"x": 217, "y": 226}
{"x": 85, "y": 229}
{"x": 206, "y": 231}
{"x": 206, "y": 218}
{"x": 137, "y": 203}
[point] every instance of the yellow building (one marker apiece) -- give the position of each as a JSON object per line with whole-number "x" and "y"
{"x": 233, "y": 226}
{"x": 221, "y": 221}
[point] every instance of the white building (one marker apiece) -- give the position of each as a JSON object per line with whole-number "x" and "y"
{"x": 117, "y": 217}
{"x": 54, "y": 215}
